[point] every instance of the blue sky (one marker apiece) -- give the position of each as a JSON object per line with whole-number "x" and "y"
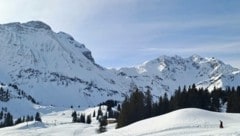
{"x": 128, "y": 32}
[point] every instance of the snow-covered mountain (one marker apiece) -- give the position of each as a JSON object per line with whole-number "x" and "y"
{"x": 165, "y": 74}
{"x": 54, "y": 69}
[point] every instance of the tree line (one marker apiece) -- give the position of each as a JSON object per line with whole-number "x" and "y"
{"x": 100, "y": 115}
{"x": 81, "y": 118}
{"x": 140, "y": 105}
{"x": 6, "y": 119}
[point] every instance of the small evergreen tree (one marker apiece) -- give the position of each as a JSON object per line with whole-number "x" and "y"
{"x": 8, "y": 120}
{"x": 74, "y": 116}
{"x": 94, "y": 114}
{"x": 100, "y": 113}
{"x": 89, "y": 120}
{"x": 31, "y": 118}
{"x": 38, "y": 117}
{"x": 82, "y": 118}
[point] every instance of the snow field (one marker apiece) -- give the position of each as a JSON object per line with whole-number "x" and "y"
{"x": 181, "y": 123}
{"x": 184, "y": 122}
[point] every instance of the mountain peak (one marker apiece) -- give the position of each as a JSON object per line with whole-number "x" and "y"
{"x": 196, "y": 57}
{"x": 32, "y": 24}
{"x": 37, "y": 24}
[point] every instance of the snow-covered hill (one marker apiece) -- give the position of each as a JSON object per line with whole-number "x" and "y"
{"x": 58, "y": 123}
{"x": 185, "y": 122}
{"x": 56, "y": 70}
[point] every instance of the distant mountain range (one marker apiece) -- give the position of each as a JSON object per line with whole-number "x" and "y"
{"x": 54, "y": 69}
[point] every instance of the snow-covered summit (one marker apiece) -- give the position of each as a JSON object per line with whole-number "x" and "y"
{"x": 37, "y": 25}
{"x": 30, "y": 24}
{"x": 166, "y": 73}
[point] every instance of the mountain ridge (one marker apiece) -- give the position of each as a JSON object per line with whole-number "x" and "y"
{"x": 56, "y": 70}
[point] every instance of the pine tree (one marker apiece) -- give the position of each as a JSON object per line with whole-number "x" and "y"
{"x": 215, "y": 100}
{"x": 136, "y": 106}
{"x": 176, "y": 100}
{"x": 8, "y": 120}
{"x": 155, "y": 109}
{"x": 233, "y": 104}
{"x": 38, "y": 117}
{"x": 160, "y": 106}
{"x": 100, "y": 113}
{"x": 89, "y": 120}
{"x": 184, "y": 100}
{"x": 166, "y": 104}
{"x": 31, "y": 118}
{"x": 124, "y": 114}
{"x": 206, "y": 100}
{"x": 74, "y": 116}
{"x": 94, "y": 114}
{"x": 148, "y": 104}
{"x": 82, "y": 118}
{"x": 132, "y": 109}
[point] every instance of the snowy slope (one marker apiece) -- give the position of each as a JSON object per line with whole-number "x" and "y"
{"x": 56, "y": 70}
{"x": 57, "y": 123}
{"x": 53, "y": 67}
{"x": 16, "y": 101}
{"x": 185, "y": 122}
